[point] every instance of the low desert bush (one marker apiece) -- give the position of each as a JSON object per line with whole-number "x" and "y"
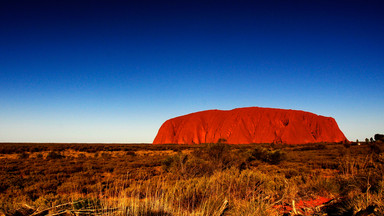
{"x": 23, "y": 155}
{"x": 54, "y": 155}
{"x": 375, "y": 148}
{"x": 130, "y": 153}
{"x": 175, "y": 163}
{"x": 187, "y": 165}
{"x": 323, "y": 186}
{"x": 217, "y": 153}
{"x": 268, "y": 156}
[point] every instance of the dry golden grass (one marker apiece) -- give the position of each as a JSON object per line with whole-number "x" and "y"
{"x": 214, "y": 179}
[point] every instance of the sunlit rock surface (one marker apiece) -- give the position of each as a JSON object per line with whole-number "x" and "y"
{"x": 250, "y": 125}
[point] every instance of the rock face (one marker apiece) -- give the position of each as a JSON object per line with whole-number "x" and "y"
{"x": 250, "y": 125}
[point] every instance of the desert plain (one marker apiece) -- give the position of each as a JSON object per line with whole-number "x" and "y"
{"x": 204, "y": 179}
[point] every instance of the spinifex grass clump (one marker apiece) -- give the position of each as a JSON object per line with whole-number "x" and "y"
{"x": 206, "y": 195}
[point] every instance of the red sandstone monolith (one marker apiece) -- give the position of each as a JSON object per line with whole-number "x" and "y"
{"x": 250, "y": 125}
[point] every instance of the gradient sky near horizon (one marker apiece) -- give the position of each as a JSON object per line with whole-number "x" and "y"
{"x": 114, "y": 71}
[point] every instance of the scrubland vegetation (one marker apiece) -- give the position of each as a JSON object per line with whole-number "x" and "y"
{"x": 211, "y": 179}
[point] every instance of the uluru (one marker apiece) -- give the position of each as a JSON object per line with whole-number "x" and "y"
{"x": 250, "y": 125}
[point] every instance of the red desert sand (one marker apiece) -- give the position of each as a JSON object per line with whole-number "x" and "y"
{"x": 250, "y": 125}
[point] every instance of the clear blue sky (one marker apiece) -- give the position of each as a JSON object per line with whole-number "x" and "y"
{"x": 114, "y": 71}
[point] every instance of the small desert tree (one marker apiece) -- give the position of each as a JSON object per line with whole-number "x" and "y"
{"x": 379, "y": 137}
